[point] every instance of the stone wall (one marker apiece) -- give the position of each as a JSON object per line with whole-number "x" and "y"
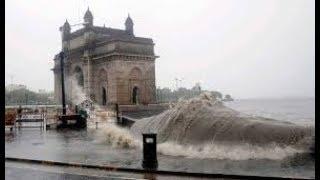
{"x": 76, "y": 42}
{"x": 115, "y": 77}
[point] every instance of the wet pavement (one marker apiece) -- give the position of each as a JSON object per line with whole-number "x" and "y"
{"x": 22, "y": 173}
{"x": 89, "y": 147}
{"x": 27, "y": 171}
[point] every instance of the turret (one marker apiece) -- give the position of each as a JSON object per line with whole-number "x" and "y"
{"x": 65, "y": 30}
{"x": 129, "y": 25}
{"x": 88, "y": 18}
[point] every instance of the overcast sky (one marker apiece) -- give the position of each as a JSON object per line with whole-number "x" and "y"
{"x": 248, "y": 48}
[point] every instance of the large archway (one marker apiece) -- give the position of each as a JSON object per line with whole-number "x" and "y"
{"x": 103, "y": 87}
{"x": 104, "y": 96}
{"x": 135, "y": 84}
{"x": 135, "y": 95}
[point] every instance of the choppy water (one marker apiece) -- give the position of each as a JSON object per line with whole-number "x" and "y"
{"x": 299, "y": 110}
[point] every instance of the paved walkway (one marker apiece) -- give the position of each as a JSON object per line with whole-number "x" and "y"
{"x": 90, "y": 147}
{"x": 29, "y": 171}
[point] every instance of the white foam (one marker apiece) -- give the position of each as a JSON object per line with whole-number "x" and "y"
{"x": 232, "y": 152}
{"x": 117, "y": 137}
{"x": 107, "y": 131}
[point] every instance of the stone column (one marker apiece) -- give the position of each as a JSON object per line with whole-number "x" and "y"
{"x": 88, "y": 76}
{"x": 68, "y": 88}
{"x": 57, "y": 86}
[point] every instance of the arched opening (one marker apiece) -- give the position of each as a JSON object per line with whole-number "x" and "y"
{"x": 104, "y": 96}
{"x": 79, "y": 76}
{"x": 137, "y": 90}
{"x": 102, "y": 87}
{"x": 135, "y": 95}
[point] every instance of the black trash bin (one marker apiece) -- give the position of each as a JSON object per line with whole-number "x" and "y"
{"x": 150, "y": 151}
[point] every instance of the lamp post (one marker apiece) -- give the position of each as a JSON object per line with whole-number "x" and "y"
{"x": 26, "y": 95}
{"x": 61, "y": 55}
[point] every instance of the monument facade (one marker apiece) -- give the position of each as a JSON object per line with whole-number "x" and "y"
{"x": 109, "y": 65}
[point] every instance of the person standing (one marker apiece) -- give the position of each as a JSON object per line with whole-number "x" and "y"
{"x": 19, "y": 112}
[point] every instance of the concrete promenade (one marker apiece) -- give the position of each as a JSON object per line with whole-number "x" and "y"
{"x": 90, "y": 148}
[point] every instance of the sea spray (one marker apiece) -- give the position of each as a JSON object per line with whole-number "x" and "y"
{"x": 183, "y": 131}
{"x": 224, "y": 151}
{"x": 77, "y": 92}
{"x": 112, "y": 134}
{"x": 118, "y": 137}
{"x": 204, "y": 127}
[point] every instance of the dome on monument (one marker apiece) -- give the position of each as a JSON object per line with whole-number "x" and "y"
{"x": 88, "y": 14}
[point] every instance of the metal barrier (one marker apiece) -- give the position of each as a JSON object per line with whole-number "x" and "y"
{"x": 31, "y": 118}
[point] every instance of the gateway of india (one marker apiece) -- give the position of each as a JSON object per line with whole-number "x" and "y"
{"x": 110, "y": 65}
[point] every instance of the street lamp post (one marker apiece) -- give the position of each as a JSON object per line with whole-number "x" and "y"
{"x": 26, "y": 98}
{"x": 62, "y": 83}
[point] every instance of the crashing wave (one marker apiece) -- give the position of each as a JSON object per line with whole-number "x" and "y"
{"x": 205, "y": 121}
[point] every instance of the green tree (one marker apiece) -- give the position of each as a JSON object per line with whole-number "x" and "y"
{"x": 167, "y": 95}
{"x": 227, "y": 97}
{"x": 25, "y": 96}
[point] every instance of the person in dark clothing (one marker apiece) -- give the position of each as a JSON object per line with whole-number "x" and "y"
{"x": 19, "y": 111}
{"x": 76, "y": 109}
